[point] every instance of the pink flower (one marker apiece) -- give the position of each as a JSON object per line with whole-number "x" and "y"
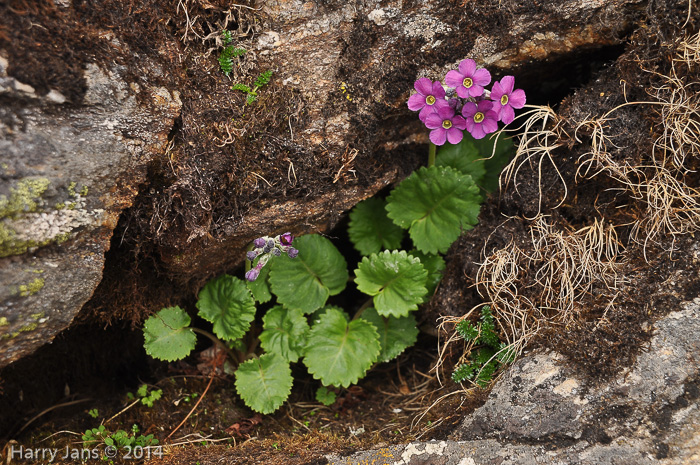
{"x": 430, "y": 97}
{"x": 480, "y": 118}
{"x": 446, "y": 126}
{"x": 506, "y": 99}
{"x": 468, "y": 81}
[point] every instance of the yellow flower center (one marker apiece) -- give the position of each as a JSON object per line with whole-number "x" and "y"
{"x": 478, "y": 117}
{"x": 467, "y": 82}
{"x": 430, "y": 100}
{"x": 447, "y": 124}
{"x": 504, "y": 99}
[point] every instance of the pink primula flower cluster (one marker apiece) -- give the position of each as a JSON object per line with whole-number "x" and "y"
{"x": 466, "y": 105}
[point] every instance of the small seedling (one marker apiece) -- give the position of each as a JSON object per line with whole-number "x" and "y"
{"x": 228, "y": 53}
{"x": 94, "y": 413}
{"x": 487, "y": 354}
{"x": 260, "y": 82}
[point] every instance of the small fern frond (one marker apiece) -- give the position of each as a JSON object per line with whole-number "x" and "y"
{"x": 263, "y": 79}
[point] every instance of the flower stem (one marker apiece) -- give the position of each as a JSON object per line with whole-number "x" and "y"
{"x": 368, "y": 303}
{"x": 431, "y": 155}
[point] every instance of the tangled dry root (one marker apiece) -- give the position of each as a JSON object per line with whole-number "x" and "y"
{"x": 672, "y": 204}
{"x": 541, "y": 134}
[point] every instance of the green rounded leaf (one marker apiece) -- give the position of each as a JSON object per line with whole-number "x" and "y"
{"x": 465, "y": 157}
{"x": 167, "y": 335}
{"x": 339, "y": 352}
{"x": 284, "y": 332}
{"x": 395, "y": 334}
{"x": 370, "y": 229}
{"x": 435, "y": 265}
{"x": 435, "y": 204}
{"x": 395, "y": 279}
{"x": 305, "y": 282}
{"x": 227, "y": 303}
{"x": 264, "y": 383}
{"x": 325, "y": 396}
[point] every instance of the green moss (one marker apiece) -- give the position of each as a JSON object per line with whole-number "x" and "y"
{"x": 23, "y": 198}
{"x": 25, "y": 290}
{"x": 60, "y": 206}
{"x": 84, "y": 191}
{"x": 71, "y": 188}
{"x": 28, "y": 327}
{"x": 3, "y": 321}
{"x": 37, "y": 316}
{"x": 11, "y": 245}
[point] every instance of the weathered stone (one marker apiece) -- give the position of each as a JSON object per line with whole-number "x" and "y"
{"x": 544, "y": 412}
{"x": 67, "y": 172}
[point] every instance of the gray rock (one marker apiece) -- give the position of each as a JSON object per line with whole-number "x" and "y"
{"x": 66, "y": 173}
{"x": 543, "y": 412}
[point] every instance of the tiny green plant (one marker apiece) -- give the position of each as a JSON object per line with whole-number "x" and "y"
{"x": 487, "y": 354}
{"x": 325, "y": 396}
{"x": 94, "y": 413}
{"x": 261, "y": 81}
{"x": 146, "y": 396}
{"x": 119, "y": 439}
{"x": 280, "y": 314}
{"x": 228, "y": 53}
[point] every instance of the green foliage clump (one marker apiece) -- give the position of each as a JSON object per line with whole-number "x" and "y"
{"x": 261, "y": 81}
{"x": 119, "y": 439}
{"x": 487, "y": 353}
{"x": 146, "y": 397}
{"x": 284, "y": 317}
{"x": 228, "y": 53}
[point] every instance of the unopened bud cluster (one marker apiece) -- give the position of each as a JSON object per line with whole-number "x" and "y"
{"x": 265, "y": 247}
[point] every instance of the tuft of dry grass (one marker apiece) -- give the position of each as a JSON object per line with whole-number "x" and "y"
{"x": 540, "y": 134}
{"x": 664, "y": 182}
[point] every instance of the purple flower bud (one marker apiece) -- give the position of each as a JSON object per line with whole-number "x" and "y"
{"x": 252, "y": 275}
{"x": 251, "y": 255}
{"x": 259, "y": 242}
{"x": 292, "y": 252}
{"x": 276, "y": 252}
{"x": 286, "y": 239}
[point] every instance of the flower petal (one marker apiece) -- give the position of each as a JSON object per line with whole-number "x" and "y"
{"x": 433, "y": 121}
{"x": 469, "y": 110}
{"x": 485, "y": 105}
{"x": 424, "y": 85}
{"x": 497, "y": 91}
{"x": 507, "y": 115}
{"x": 477, "y": 132}
{"x": 476, "y": 91}
{"x": 454, "y": 78}
{"x": 416, "y": 102}
{"x": 482, "y": 77}
{"x": 426, "y": 111}
{"x": 454, "y": 135}
{"x": 467, "y": 67}
{"x": 438, "y": 136}
{"x": 508, "y": 82}
{"x": 517, "y": 98}
{"x": 437, "y": 90}
{"x": 489, "y": 125}
{"x": 459, "y": 123}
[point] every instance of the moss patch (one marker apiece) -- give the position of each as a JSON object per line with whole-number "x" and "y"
{"x": 24, "y": 197}
{"x": 25, "y": 290}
